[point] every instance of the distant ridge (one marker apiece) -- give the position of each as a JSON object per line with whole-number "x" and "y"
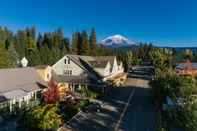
{"x": 181, "y": 48}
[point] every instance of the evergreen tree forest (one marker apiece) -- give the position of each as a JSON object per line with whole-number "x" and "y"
{"x": 45, "y": 48}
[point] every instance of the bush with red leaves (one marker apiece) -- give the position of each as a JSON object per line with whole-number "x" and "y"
{"x": 52, "y": 94}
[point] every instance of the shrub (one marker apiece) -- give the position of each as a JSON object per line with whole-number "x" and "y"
{"x": 52, "y": 94}
{"x": 41, "y": 118}
{"x": 83, "y": 104}
{"x": 177, "y": 88}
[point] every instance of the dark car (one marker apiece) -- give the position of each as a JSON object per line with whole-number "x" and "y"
{"x": 94, "y": 107}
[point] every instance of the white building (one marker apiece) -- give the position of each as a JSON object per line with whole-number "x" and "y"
{"x": 88, "y": 70}
{"x": 18, "y": 86}
{"x": 75, "y": 65}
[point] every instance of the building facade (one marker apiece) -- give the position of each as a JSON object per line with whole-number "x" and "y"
{"x": 73, "y": 72}
{"x": 186, "y": 68}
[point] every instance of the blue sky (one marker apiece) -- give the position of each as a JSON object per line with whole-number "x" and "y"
{"x": 163, "y": 22}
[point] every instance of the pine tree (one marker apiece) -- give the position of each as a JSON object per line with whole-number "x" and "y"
{"x": 55, "y": 55}
{"x": 21, "y": 46}
{"x": 129, "y": 57}
{"x": 13, "y": 56}
{"x": 74, "y": 43}
{"x": 7, "y": 43}
{"x": 39, "y": 41}
{"x": 93, "y": 42}
{"x": 57, "y": 37}
{"x": 34, "y": 58}
{"x": 65, "y": 45}
{"x": 79, "y": 43}
{"x": 33, "y": 32}
{"x": 4, "y": 34}
{"x": 85, "y": 44}
{"x": 47, "y": 40}
{"x": 44, "y": 53}
{"x": 5, "y": 61}
{"x": 30, "y": 43}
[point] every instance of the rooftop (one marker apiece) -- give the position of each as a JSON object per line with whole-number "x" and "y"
{"x": 25, "y": 79}
{"x": 187, "y": 65}
{"x": 94, "y": 61}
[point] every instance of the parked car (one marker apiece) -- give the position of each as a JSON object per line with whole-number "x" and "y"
{"x": 93, "y": 107}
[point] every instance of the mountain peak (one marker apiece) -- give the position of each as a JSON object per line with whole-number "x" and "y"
{"x": 117, "y": 40}
{"x": 118, "y": 36}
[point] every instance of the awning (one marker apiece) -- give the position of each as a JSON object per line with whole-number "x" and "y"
{"x": 15, "y": 94}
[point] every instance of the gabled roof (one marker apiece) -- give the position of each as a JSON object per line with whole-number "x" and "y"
{"x": 88, "y": 64}
{"x": 187, "y": 65}
{"x": 98, "y": 64}
{"x": 92, "y": 65}
{"x": 93, "y": 61}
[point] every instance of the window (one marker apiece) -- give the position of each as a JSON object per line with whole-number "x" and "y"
{"x": 69, "y": 61}
{"x": 47, "y": 76}
{"x": 68, "y": 72}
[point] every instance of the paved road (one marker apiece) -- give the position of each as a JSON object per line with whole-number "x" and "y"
{"x": 140, "y": 115}
{"x": 126, "y": 109}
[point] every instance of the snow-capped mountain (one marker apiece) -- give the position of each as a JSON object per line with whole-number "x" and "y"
{"x": 117, "y": 41}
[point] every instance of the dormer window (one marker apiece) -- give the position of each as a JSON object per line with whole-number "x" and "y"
{"x": 67, "y": 61}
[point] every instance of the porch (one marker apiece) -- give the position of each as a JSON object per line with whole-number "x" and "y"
{"x": 17, "y": 99}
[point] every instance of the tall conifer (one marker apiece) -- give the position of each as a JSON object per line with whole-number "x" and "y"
{"x": 93, "y": 42}
{"x": 85, "y": 43}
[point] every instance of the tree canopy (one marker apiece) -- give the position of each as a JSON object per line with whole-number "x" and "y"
{"x": 45, "y": 48}
{"x": 41, "y": 118}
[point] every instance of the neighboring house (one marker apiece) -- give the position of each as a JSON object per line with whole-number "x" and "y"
{"x": 187, "y": 68}
{"x": 73, "y": 72}
{"x": 18, "y": 86}
{"x": 44, "y": 72}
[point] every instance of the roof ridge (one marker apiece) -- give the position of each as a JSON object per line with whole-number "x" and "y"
{"x": 18, "y": 68}
{"x": 90, "y": 55}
